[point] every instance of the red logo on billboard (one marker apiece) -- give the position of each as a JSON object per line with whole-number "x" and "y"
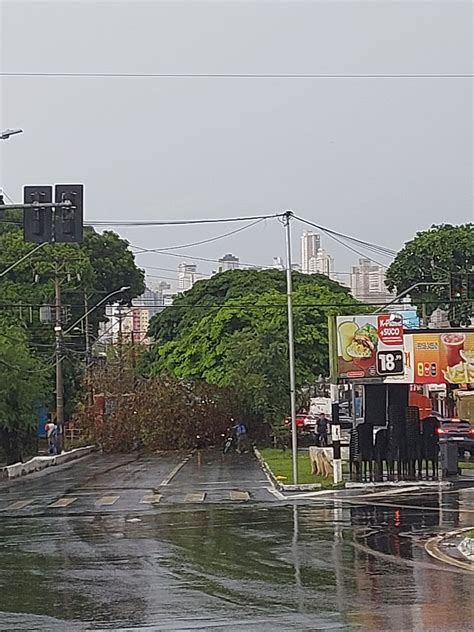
{"x": 390, "y": 331}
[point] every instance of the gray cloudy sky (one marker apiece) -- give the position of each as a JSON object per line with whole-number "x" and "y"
{"x": 375, "y": 158}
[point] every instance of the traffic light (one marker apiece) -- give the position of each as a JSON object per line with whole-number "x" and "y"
{"x": 2, "y": 202}
{"x": 470, "y": 285}
{"x": 69, "y": 221}
{"x": 38, "y": 221}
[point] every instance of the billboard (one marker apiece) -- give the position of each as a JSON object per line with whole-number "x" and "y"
{"x": 374, "y": 346}
{"x": 368, "y": 346}
{"x": 443, "y": 357}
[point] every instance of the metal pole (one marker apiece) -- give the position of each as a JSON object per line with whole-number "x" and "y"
{"x": 59, "y": 366}
{"x": 291, "y": 347}
{"x": 86, "y": 328}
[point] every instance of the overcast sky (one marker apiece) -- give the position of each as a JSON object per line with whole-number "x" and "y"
{"x": 376, "y": 158}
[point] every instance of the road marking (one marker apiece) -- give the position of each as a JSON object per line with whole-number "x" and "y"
{"x": 107, "y": 500}
{"x": 151, "y": 499}
{"x": 63, "y": 502}
{"x": 197, "y": 497}
{"x": 20, "y": 504}
{"x": 174, "y": 471}
{"x": 276, "y": 493}
{"x": 234, "y": 495}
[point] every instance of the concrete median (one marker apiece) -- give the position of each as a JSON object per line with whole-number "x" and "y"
{"x": 38, "y": 463}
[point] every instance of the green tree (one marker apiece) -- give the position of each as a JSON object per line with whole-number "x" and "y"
{"x": 231, "y": 330}
{"x": 430, "y": 257}
{"x": 101, "y": 264}
{"x": 23, "y": 384}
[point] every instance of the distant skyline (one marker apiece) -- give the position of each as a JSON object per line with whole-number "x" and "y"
{"x": 378, "y": 158}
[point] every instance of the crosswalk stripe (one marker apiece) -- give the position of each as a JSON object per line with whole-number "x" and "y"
{"x": 63, "y": 502}
{"x": 19, "y": 504}
{"x": 107, "y": 500}
{"x": 235, "y": 495}
{"x": 151, "y": 499}
{"x": 197, "y": 497}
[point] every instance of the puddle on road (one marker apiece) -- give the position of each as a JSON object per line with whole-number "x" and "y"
{"x": 286, "y": 567}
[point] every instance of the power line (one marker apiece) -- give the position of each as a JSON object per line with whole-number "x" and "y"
{"x": 181, "y": 222}
{"x": 156, "y": 75}
{"x": 203, "y": 241}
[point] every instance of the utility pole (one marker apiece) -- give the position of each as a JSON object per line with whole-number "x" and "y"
{"x": 59, "y": 365}
{"x": 120, "y": 343}
{"x": 291, "y": 347}
{"x": 86, "y": 329}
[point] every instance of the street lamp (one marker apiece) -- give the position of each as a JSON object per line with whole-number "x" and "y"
{"x": 103, "y": 300}
{"x": 5, "y": 135}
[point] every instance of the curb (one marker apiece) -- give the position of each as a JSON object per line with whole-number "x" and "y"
{"x": 306, "y": 487}
{"x": 432, "y": 548}
{"x": 38, "y": 463}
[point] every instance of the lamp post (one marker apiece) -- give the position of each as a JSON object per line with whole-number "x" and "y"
{"x": 7, "y": 133}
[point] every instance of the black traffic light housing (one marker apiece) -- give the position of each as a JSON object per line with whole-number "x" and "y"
{"x": 69, "y": 221}
{"x": 38, "y": 221}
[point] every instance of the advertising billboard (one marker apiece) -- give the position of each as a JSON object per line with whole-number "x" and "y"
{"x": 374, "y": 346}
{"x": 443, "y": 358}
{"x": 368, "y": 346}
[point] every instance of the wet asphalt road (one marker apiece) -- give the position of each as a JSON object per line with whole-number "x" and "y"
{"x": 164, "y": 543}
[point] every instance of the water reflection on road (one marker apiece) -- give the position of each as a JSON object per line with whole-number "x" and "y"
{"x": 331, "y": 565}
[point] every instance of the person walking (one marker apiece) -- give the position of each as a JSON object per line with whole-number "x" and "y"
{"x": 52, "y": 433}
{"x": 322, "y": 427}
{"x": 241, "y": 433}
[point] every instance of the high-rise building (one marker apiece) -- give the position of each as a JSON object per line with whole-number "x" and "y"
{"x": 368, "y": 282}
{"x": 322, "y": 263}
{"x": 228, "y": 262}
{"x": 187, "y": 273}
{"x": 310, "y": 244}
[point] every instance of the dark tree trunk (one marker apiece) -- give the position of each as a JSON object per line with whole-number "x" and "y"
{"x": 11, "y": 445}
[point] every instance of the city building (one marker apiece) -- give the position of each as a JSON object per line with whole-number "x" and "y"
{"x": 228, "y": 262}
{"x": 310, "y": 245}
{"x": 322, "y": 263}
{"x": 187, "y": 275}
{"x": 151, "y": 299}
{"x": 278, "y": 264}
{"x": 368, "y": 282}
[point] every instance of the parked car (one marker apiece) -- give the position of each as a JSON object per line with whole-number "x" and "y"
{"x": 459, "y": 431}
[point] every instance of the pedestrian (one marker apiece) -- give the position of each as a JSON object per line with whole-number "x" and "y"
{"x": 52, "y": 433}
{"x": 241, "y": 433}
{"x": 322, "y": 427}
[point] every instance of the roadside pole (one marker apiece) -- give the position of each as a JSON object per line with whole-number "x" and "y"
{"x": 59, "y": 365}
{"x": 336, "y": 435}
{"x": 291, "y": 347}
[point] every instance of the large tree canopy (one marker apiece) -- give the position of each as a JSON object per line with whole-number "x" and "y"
{"x": 430, "y": 257}
{"x": 231, "y": 330}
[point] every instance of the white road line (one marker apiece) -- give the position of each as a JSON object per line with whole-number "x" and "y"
{"x": 197, "y": 497}
{"x": 107, "y": 500}
{"x": 276, "y": 493}
{"x": 151, "y": 499}
{"x": 174, "y": 471}
{"x": 19, "y": 504}
{"x": 63, "y": 502}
